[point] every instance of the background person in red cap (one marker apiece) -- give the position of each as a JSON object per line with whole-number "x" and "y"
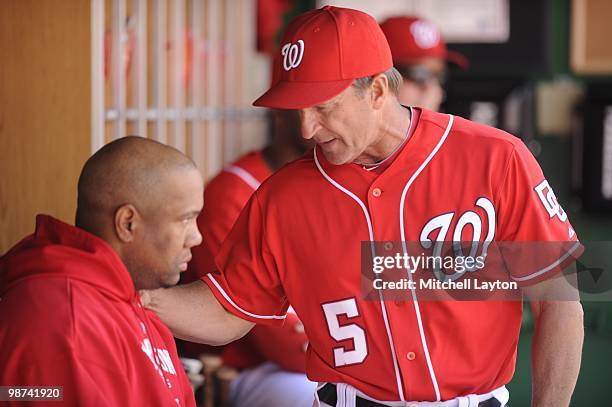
{"x": 384, "y": 172}
{"x": 271, "y": 359}
{"x": 421, "y": 56}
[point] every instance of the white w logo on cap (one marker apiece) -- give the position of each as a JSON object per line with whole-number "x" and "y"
{"x": 292, "y": 54}
{"x": 425, "y": 34}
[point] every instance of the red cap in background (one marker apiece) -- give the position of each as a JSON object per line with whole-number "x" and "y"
{"x": 322, "y": 52}
{"x": 413, "y": 38}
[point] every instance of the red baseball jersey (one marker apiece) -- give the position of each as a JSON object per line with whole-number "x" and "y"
{"x": 224, "y": 197}
{"x": 298, "y": 242}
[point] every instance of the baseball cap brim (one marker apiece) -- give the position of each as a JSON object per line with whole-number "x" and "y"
{"x": 300, "y": 95}
{"x": 457, "y": 58}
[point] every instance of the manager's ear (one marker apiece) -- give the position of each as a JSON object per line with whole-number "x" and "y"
{"x": 126, "y": 222}
{"x": 379, "y": 89}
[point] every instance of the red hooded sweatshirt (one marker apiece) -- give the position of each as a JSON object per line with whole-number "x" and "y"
{"x": 70, "y": 316}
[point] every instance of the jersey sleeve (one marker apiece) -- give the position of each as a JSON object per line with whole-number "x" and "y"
{"x": 534, "y": 235}
{"x": 285, "y": 346}
{"x": 247, "y": 282}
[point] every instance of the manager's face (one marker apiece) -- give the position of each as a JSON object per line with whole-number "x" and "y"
{"x": 342, "y": 127}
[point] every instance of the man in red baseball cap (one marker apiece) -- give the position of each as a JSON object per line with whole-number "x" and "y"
{"x": 383, "y": 172}
{"x": 421, "y": 56}
{"x": 323, "y": 52}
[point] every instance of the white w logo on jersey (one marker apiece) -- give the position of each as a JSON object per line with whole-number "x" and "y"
{"x": 292, "y": 54}
{"x": 443, "y": 223}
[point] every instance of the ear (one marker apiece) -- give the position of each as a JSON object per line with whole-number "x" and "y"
{"x": 379, "y": 89}
{"x": 126, "y": 222}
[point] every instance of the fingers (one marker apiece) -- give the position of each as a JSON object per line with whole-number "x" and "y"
{"x": 145, "y": 298}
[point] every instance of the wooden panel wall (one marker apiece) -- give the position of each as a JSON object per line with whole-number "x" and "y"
{"x": 44, "y": 110}
{"x": 195, "y": 82}
{"x": 591, "y": 31}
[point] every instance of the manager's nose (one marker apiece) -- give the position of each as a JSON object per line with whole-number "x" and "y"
{"x": 309, "y": 123}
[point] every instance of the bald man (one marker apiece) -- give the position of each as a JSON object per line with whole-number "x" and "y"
{"x": 71, "y": 316}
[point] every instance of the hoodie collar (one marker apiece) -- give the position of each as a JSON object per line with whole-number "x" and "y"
{"x": 59, "y": 249}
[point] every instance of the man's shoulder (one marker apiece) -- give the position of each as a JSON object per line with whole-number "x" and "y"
{"x": 293, "y": 178}
{"x": 38, "y": 318}
{"x": 241, "y": 177}
{"x": 251, "y": 160}
{"x": 45, "y": 317}
{"x": 468, "y": 134}
{"x": 39, "y": 296}
{"x": 484, "y": 133}
{"x": 58, "y": 306}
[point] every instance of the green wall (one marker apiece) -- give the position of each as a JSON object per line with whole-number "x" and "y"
{"x": 596, "y": 372}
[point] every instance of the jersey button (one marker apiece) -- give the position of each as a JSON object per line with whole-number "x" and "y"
{"x": 388, "y": 246}
{"x": 376, "y": 192}
{"x": 410, "y": 356}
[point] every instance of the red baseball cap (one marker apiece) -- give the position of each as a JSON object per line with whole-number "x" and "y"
{"x": 323, "y": 51}
{"x": 414, "y": 38}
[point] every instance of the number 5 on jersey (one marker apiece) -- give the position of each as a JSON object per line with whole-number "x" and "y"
{"x": 352, "y": 332}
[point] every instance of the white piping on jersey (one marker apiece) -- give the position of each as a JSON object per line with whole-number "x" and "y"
{"x": 227, "y": 297}
{"x": 398, "y": 379}
{"x": 550, "y": 267}
{"x": 405, "y": 250}
{"x": 244, "y": 175}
